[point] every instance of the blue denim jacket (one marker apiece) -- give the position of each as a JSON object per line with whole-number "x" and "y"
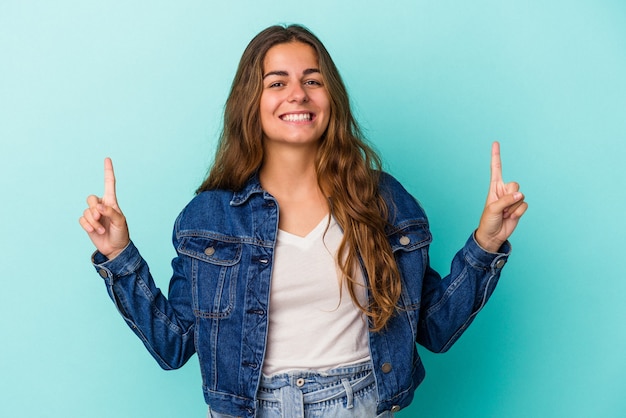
{"x": 217, "y": 305}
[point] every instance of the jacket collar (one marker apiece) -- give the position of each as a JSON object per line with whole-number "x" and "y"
{"x": 253, "y": 186}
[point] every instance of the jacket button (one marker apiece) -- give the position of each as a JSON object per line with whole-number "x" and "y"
{"x": 386, "y": 367}
{"x": 103, "y": 273}
{"x": 405, "y": 240}
{"x": 500, "y": 263}
{"x": 209, "y": 251}
{"x": 395, "y": 408}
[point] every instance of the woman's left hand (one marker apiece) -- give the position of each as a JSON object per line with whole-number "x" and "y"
{"x": 504, "y": 207}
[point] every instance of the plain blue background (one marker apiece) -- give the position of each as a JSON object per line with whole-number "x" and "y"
{"x": 433, "y": 84}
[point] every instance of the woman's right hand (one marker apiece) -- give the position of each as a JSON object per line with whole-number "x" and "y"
{"x": 103, "y": 220}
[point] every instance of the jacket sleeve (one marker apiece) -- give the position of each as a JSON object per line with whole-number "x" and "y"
{"x": 449, "y": 305}
{"x": 165, "y": 326}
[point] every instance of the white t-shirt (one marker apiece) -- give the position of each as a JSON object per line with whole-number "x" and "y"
{"x": 312, "y": 326}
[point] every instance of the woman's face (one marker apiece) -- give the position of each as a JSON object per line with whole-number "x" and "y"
{"x": 295, "y": 106}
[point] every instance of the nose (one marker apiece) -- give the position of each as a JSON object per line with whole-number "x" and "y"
{"x": 297, "y": 94}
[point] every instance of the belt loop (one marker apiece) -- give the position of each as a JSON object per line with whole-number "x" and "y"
{"x": 349, "y": 393}
{"x": 291, "y": 402}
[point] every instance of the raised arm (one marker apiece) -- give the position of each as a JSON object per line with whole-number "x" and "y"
{"x": 504, "y": 207}
{"x": 103, "y": 220}
{"x": 165, "y": 326}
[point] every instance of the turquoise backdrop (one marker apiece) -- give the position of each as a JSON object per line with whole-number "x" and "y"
{"x": 433, "y": 83}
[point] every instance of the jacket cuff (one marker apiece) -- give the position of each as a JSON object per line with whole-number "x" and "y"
{"x": 125, "y": 263}
{"x": 481, "y": 258}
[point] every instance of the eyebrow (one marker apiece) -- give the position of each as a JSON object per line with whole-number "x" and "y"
{"x": 281, "y": 73}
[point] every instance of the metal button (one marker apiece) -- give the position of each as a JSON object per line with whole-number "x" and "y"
{"x": 103, "y": 273}
{"x": 500, "y": 263}
{"x": 209, "y": 251}
{"x": 386, "y": 367}
{"x": 300, "y": 382}
{"x": 405, "y": 240}
{"x": 395, "y": 408}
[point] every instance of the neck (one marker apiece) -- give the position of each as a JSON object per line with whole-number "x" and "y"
{"x": 290, "y": 176}
{"x": 289, "y": 171}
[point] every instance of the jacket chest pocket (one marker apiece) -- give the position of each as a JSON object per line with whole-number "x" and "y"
{"x": 410, "y": 242}
{"x": 214, "y": 270}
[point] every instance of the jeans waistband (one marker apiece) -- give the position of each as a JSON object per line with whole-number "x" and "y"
{"x": 319, "y": 386}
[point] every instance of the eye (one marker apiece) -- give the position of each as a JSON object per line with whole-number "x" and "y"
{"x": 313, "y": 82}
{"x": 276, "y": 84}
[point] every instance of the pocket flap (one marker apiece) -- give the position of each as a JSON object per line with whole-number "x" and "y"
{"x": 211, "y": 250}
{"x": 410, "y": 236}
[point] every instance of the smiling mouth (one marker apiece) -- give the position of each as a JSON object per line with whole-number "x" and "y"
{"x": 297, "y": 117}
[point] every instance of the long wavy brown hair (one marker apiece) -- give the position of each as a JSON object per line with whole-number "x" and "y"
{"x": 347, "y": 169}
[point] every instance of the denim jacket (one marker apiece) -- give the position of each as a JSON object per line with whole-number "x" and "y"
{"x": 217, "y": 305}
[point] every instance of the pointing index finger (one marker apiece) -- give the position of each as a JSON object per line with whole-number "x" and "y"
{"x": 497, "y": 183}
{"x": 109, "y": 198}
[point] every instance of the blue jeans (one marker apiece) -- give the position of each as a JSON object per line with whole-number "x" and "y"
{"x": 344, "y": 392}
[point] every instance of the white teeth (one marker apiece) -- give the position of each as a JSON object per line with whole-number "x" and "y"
{"x": 300, "y": 117}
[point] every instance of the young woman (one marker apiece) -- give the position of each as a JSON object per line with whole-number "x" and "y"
{"x": 302, "y": 279}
